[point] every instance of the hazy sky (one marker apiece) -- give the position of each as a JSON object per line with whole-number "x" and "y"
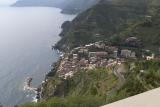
{"x": 7, "y": 2}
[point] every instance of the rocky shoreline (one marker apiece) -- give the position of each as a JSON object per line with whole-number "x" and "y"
{"x": 54, "y": 66}
{"x": 51, "y": 73}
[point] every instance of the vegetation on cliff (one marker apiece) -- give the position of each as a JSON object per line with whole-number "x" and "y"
{"x": 93, "y": 88}
{"x": 140, "y": 77}
{"x": 112, "y": 20}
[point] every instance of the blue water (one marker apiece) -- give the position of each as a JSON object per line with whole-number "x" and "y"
{"x": 26, "y": 36}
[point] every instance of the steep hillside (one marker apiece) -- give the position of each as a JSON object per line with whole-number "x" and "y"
{"x": 136, "y": 2}
{"x": 146, "y": 29}
{"x": 94, "y": 88}
{"x": 106, "y": 19}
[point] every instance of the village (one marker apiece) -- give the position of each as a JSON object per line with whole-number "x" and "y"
{"x": 99, "y": 54}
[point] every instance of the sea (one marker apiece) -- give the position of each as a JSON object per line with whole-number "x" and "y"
{"x": 26, "y": 38}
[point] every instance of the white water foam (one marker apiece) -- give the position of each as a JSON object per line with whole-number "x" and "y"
{"x": 31, "y": 92}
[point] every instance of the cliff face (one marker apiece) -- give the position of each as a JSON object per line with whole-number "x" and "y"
{"x": 108, "y": 18}
{"x": 67, "y": 6}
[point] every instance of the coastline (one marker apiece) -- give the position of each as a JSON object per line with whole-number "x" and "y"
{"x": 54, "y": 66}
{"x": 35, "y": 55}
{"x": 51, "y": 73}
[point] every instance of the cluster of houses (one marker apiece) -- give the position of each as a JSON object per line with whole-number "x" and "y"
{"x": 92, "y": 56}
{"x": 96, "y": 55}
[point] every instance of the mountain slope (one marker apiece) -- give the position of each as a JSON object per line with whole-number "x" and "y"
{"x": 98, "y": 23}
{"x": 106, "y": 19}
{"x": 147, "y": 30}
{"x": 137, "y": 2}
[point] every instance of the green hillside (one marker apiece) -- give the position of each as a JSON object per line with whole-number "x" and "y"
{"x": 146, "y": 29}
{"x": 137, "y": 2}
{"x": 97, "y": 87}
{"x": 111, "y": 18}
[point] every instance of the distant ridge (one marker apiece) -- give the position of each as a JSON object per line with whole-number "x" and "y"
{"x": 49, "y": 3}
{"x": 67, "y": 6}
